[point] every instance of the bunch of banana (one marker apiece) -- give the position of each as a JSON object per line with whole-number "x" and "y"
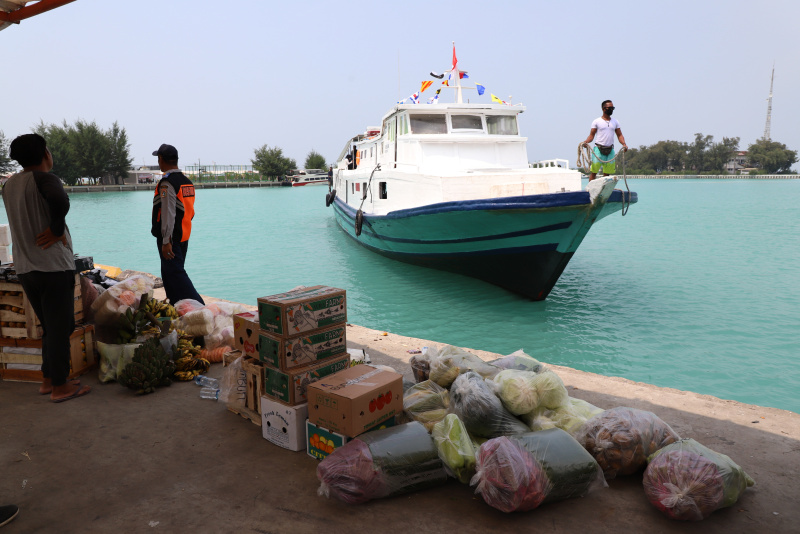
{"x": 187, "y": 367}
{"x": 160, "y": 308}
{"x": 150, "y": 368}
{"x": 130, "y": 323}
{"x": 186, "y": 348}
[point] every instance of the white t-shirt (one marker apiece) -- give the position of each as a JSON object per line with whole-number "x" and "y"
{"x": 605, "y": 131}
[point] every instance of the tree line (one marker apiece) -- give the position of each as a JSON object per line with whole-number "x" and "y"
{"x": 705, "y": 156}
{"x": 80, "y": 150}
{"x": 84, "y": 150}
{"x": 271, "y": 163}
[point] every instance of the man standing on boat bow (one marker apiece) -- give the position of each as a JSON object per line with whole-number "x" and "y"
{"x": 602, "y": 132}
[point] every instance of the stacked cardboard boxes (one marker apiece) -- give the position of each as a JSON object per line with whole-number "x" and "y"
{"x": 301, "y": 338}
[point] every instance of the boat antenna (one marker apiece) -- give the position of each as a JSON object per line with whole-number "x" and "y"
{"x": 769, "y": 106}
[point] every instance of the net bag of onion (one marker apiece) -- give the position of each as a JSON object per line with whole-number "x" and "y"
{"x": 621, "y": 439}
{"x": 688, "y": 481}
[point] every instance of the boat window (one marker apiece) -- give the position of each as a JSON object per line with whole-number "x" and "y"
{"x": 364, "y": 191}
{"x": 428, "y": 124}
{"x": 382, "y": 189}
{"x": 502, "y": 124}
{"x": 402, "y": 126}
{"x": 466, "y": 122}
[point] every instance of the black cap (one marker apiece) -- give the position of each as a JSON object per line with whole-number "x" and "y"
{"x": 167, "y": 152}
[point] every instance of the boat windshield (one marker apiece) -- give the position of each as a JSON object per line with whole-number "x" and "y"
{"x": 467, "y": 122}
{"x": 502, "y": 124}
{"x": 428, "y": 124}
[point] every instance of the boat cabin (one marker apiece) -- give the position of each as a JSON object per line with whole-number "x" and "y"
{"x": 441, "y": 139}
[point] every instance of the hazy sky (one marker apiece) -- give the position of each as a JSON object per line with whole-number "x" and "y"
{"x": 219, "y": 79}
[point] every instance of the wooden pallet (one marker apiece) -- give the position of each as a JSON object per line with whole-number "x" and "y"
{"x": 25, "y": 323}
{"x": 82, "y": 354}
{"x": 247, "y": 413}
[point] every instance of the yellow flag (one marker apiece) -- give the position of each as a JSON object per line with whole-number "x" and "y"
{"x": 497, "y": 100}
{"x": 425, "y": 85}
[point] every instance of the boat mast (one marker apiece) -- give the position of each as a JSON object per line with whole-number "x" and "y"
{"x": 457, "y": 75}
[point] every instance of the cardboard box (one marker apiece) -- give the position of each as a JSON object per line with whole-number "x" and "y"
{"x": 245, "y": 333}
{"x": 291, "y": 387}
{"x": 254, "y": 372}
{"x": 356, "y": 399}
{"x": 320, "y": 442}
{"x": 284, "y": 425}
{"x": 302, "y": 310}
{"x": 303, "y": 350}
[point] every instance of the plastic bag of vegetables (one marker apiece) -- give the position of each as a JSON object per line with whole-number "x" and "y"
{"x": 426, "y": 402}
{"x": 508, "y": 477}
{"x": 520, "y": 361}
{"x": 455, "y": 448}
{"x": 572, "y": 471}
{"x": 688, "y": 481}
{"x": 451, "y": 362}
{"x": 621, "y": 439}
{"x": 481, "y": 411}
{"x": 523, "y": 392}
{"x": 382, "y": 463}
{"x": 569, "y": 417}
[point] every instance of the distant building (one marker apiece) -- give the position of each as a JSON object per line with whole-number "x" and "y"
{"x": 737, "y": 164}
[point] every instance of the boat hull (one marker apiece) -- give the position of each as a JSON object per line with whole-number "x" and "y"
{"x": 522, "y": 244}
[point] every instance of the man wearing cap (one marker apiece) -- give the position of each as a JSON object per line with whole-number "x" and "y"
{"x": 173, "y": 210}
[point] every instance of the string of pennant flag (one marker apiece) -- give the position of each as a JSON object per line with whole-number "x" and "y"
{"x": 446, "y": 81}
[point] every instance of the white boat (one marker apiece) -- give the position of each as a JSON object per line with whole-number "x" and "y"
{"x": 449, "y": 186}
{"x": 309, "y": 177}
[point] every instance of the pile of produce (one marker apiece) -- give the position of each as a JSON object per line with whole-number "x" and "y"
{"x": 511, "y": 430}
{"x": 688, "y": 481}
{"x": 150, "y": 368}
{"x": 382, "y": 463}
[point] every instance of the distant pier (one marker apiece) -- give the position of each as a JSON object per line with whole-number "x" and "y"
{"x": 151, "y": 187}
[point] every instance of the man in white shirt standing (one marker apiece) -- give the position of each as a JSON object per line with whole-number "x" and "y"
{"x": 602, "y": 132}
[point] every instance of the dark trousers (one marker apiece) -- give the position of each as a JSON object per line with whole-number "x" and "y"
{"x": 177, "y": 284}
{"x": 51, "y": 295}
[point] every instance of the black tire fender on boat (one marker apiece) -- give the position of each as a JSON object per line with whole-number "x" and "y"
{"x": 359, "y": 222}
{"x": 329, "y": 198}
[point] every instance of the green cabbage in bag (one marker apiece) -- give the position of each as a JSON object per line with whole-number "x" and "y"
{"x": 455, "y": 447}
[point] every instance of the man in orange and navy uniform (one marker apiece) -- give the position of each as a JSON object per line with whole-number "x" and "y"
{"x": 173, "y": 210}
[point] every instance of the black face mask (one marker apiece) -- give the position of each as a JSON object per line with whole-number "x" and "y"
{"x": 608, "y": 111}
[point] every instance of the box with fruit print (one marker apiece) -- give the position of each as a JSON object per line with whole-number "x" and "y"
{"x": 356, "y": 399}
{"x": 320, "y": 442}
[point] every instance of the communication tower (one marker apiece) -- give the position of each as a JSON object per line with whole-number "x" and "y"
{"x": 769, "y": 106}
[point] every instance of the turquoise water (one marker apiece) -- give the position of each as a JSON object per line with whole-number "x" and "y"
{"x": 697, "y": 288}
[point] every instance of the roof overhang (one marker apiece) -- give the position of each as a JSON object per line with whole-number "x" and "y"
{"x": 14, "y": 11}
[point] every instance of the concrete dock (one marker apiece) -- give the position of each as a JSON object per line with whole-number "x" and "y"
{"x": 172, "y": 462}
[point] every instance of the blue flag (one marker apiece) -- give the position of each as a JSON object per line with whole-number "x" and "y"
{"x": 481, "y": 88}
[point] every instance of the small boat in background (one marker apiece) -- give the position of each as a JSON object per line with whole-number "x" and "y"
{"x": 309, "y": 177}
{"x": 449, "y": 186}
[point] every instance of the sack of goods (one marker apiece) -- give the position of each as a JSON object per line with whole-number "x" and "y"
{"x": 688, "y": 481}
{"x": 621, "y": 439}
{"x": 519, "y": 473}
{"x": 382, "y": 463}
